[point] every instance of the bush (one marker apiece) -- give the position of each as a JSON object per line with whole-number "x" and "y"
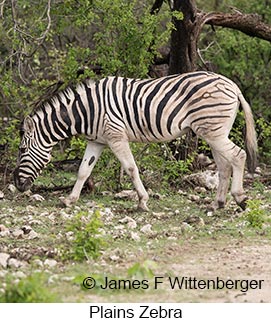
{"x": 32, "y": 289}
{"x": 256, "y": 214}
{"x": 87, "y": 241}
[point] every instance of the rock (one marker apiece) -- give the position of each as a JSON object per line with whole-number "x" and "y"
{"x": 32, "y": 235}
{"x": 194, "y": 198}
{"x": 114, "y": 258}
{"x": 30, "y": 208}
{"x": 107, "y": 214}
{"x": 131, "y": 223}
{"x": 1, "y": 195}
{"x": 210, "y": 213}
{"x": 146, "y": 229}
{"x": 258, "y": 170}
{"x": 181, "y": 192}
{"x": 15, "y": 263}
{"x": 12, "y": 188}
{"x": 3, "y": 273}
{"x": 18, "y": 233}
{"x": 50, "y": 263}
{"x": 135, "y": 236}
{"x": 195, "y": 220}
{"x": 185, "y": 227}
{"x": 200, "y": 190}
{"x": 37, "y": 197}
{"x": 26, "y": 229}
{"x": 126, "y": 194}
{"x": 38, "y": 263}
{"x": 4, "y": 259}
{"x": 19, "y": 274}
{"x": 69, "y": 235}
{"x": 207, "y": 179}
{"x": 4, "y": 231}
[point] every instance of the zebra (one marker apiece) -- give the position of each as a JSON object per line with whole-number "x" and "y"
{"x": 117, "y": 110}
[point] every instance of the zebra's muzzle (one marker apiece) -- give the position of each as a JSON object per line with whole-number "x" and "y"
{"x": 22, "y": 184}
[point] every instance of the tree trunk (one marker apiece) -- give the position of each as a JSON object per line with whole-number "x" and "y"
{"x": 184, "y": 38}
{"x": 183, "y": 47}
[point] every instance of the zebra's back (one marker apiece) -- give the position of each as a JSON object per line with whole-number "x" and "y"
{"x": 160, "y": 109}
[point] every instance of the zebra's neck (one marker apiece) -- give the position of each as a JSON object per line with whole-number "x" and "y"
{"x": 65, "y": 115}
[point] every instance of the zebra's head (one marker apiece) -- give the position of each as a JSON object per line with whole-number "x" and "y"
{"x": 34, "y": 155}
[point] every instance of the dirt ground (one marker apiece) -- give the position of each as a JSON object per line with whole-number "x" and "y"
{"x": 235, "y": 260}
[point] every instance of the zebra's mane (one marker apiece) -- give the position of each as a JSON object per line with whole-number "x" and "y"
{"x": 55, "y": 91}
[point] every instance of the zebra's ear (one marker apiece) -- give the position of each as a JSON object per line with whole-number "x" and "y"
{"x": 29, "y": 125}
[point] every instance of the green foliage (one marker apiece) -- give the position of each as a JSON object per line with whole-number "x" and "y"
{"x": 142, "y": 270}
{"x": 264, "y": 135}
{"x": 128, "y": 40}
{"x": 119, "y": 38}
{"x": 256, "y": 214}
{"x": 32, "y": 289}
{"x": 87, "y": 240}
{"x": 11, "y": 139}
{"x": 76, "y": 148}
{"x": 246, "y": 61}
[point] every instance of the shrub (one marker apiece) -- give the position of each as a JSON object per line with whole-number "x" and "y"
{"x": 32, "y": 289}
{"x": 87, "y": 240}
{"x": 255, "y": 214}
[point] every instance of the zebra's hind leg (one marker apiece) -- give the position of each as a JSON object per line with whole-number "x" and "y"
{"x": 122, "y": 151}
{"x": 91, "y": 155}
{"x": 224, "y": 173}
{"x": 236, "y": 157}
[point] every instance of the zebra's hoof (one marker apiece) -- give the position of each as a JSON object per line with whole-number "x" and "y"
{"x": 243, "y": 203}
{"x": 142, "y": 208}
{"x": 65, "y": 201}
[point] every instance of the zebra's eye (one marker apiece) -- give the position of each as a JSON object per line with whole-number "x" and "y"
{"x": 23, "y": 148}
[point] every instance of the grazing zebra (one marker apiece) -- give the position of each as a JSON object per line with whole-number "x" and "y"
{"x": 115, "y": 111}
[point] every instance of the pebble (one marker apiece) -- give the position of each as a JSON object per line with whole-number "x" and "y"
{"x": 15, "y": 263}
{"x": 38, "y": 262}
{"x": 26, "y": 229}
{"x": 131, "y": 223}
{"x": 186, "y": 227}
{"x": 18, "y": 233}
{"x": 126, "y": 194}
{"x": 32, "y": 235}
{"x": 4, "y": 259}
{"x": 19, "y": 274}
{"x": 146, "y": 229}
{"x": 12, "y": 188}
{"x": 194, "y": 198}
{"x": 200, "y": 189}
{"x": 4, "y": 231}
{"x": 50, "y": 263}
{"x": 37, "y": 197}
{"x": 3, "y": 273}
{"x": 135, "y": 236}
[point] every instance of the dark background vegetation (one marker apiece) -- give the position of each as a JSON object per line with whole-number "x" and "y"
{"x": 47, "y": 45}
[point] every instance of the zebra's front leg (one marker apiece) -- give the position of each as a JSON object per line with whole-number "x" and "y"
{"x": 91, "y": 155}
{"x": 122, "y": 151}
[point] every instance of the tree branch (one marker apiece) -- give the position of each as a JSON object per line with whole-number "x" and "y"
{"x": 249, "y": 24}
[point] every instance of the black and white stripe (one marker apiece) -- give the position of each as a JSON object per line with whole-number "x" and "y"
{"x": 116, "y": 110}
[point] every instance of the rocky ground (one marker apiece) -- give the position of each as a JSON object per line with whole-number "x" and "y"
{"x": 177, "y": 238}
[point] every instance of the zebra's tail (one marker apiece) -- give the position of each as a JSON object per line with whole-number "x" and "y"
{"x": 251, "y": 137}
